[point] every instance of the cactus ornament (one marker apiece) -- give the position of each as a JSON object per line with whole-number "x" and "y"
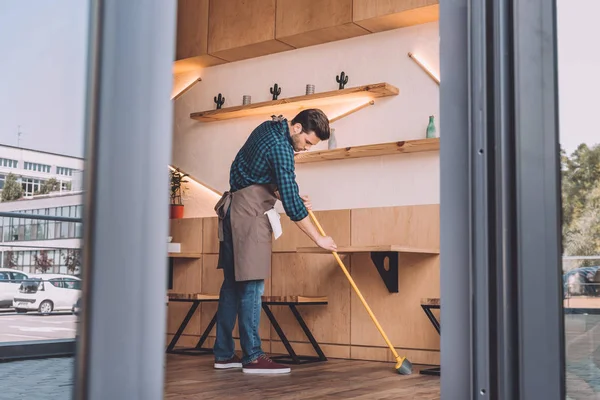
{"x": 342, "y": 79}
{"x": 219, "y": 100}
{"x": 275, "y": 91}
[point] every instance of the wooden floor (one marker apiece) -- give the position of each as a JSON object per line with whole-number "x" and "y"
{"x": 192, "y": 377}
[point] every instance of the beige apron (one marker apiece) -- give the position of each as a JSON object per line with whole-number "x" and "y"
{"x": 251, "y": 229}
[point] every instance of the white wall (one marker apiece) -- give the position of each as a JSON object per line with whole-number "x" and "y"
{"x": 33, "y": 156}
{"x": 206, "y": 150}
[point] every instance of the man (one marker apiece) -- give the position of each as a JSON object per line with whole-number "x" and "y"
{"x": 261, "y": 173}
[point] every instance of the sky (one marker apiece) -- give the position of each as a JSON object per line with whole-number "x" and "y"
{"x": 43, "y": 45}
{"x": 43, "y": 53}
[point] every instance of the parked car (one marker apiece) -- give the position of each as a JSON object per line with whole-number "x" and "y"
{"x": 10, "y": 280}
{"x": 48, "y": 292}
{"x": 583, "y": 281}
{"x": 77, "y": 307}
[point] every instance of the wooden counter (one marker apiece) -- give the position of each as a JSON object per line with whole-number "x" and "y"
{"x": 342, "y": 327}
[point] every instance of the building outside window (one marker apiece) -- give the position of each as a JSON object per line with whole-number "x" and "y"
{"x": 64, "y": 171}
{"x": 36, "y": 167}
{"x": 26, "y": 260}
{"x": 5, "y": 162}
{"x": 31, "y": 185}
{"x": 20, "y": 229}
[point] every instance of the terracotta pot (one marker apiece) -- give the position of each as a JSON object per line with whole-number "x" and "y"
{"x": 176, "y": 211}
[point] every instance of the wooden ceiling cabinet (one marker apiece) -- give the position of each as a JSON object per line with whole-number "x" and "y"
{"x": 302, "y": 23}
{"x": 192, "y": 37}
{"x": 383, "y": 15}
{"x": 242, "y": 29}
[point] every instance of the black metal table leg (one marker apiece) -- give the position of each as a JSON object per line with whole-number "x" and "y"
{"x": 204, "y": 336}
{"x": 282, "y": 336}
{"x": 434, "y": 321}
{"x": 308, "y": 333}
{"x": 436, "y": 371}
{"x": 183, "y": 325}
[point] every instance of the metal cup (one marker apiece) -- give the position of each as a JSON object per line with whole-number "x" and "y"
{"x": 247, "y": 99}
{"x": 310, "y": 89}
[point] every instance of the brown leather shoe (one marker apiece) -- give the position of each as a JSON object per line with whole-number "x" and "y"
{"x": 233, "y": 362}
{"x": 264, "y": 365}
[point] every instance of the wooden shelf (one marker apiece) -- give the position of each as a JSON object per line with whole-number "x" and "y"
{"x": 370, "y": 150}
{"x": 185, "y": 255}
{"x": 193, "y": 296}
{"x": 370, "y": 249}
{"x": 294, "y": 299}
{"x": 317, "y": 100}
{"x": 379, "y": 255}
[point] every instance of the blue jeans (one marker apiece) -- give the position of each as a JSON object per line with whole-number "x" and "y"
{"x": 237, "y": 299}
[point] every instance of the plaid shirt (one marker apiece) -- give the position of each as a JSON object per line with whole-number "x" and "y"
{"x": 267, "y": 157}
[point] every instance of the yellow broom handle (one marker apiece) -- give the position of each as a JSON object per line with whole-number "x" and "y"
{"x": 360, "y": 296}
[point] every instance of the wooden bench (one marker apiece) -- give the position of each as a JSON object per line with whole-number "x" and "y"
{"x": 195, "y": 299}
{"x": 427, "y": 305}
{"x": 292, "y": 302}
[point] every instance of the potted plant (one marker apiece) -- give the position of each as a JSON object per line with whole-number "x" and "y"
{"x": 176, "y": 203}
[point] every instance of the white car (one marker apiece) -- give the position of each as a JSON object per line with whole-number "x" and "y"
{"x": 10, "y": 280}
{"x": 47, "y": 292}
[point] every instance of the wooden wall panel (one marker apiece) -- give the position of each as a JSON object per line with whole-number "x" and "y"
{"x": 265, "y": 344}
{"x": 306, "y": 349}
{"x": 212, "y": 280}
{"x": 399, "y": 314}
{"x": 310, "y": 22}
{"x": 192, "y": 34}
{"x": 416, "y": 226}
{"x": 426, "y": 357}
{"x": 188, "y": 232}
{"x": 312, "y": 275}
{"x": 184, "y": 340}
{"x": 383, "y": 15}
{"x": 241, "y": 29}
{"x": 187, "y": 278}
{"x": 210, "y": 234}
{"x": 336, "y": 224}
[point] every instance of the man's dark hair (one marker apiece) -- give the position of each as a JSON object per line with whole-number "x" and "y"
{"x": 313, "y": 119}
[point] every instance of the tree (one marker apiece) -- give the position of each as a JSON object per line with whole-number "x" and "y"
{"x": 42, "y": 261}
{"x": 51, "y": 185}
{"x": 12, "y": 189}
{"x": 72, "y": 259}
{"x": 10, "y": 259}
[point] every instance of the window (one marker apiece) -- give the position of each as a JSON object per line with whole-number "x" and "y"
{"x": 18, "y": 277}
{"x": 31, "y": 185}
{"x": 72, "y": 284}
{"x": 27, "y": 234}
{"x": 57, "y": 282}
{"x": 4, "y": 276}
{"x": 6, "y": 162}
{"x": 41, "y": 230}
{"x": 64, "y": 171}
{"x": 36, "y": 167}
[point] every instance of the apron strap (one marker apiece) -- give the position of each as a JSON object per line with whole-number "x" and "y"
{"x": 221, "y": 209}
